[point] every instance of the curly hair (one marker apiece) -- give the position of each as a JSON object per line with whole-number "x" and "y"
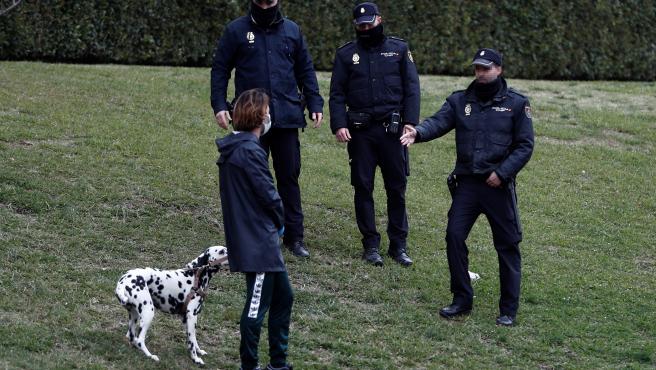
{"x": 250, "y": 109}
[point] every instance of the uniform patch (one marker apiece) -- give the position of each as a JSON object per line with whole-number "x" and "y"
{"x": 467, "y": 109}
{"x": 410, "y": 57}
{"x": 389, "y": 54}
{"x": 250, "y": 36}
{"x": 501, "y": 109}
{"x": 356, "y": 58}
{"x": 527, "y": 110}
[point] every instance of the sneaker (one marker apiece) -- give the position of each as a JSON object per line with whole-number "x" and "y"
{"x": 506, "y": 320}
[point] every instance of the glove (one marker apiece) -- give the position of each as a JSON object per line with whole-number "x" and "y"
{"x": 281, "y": 232}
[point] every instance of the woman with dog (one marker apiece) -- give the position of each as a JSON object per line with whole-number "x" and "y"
{"x": 254, "y": 222}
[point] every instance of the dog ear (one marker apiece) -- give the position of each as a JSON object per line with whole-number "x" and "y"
{"x": 203, "y": 260}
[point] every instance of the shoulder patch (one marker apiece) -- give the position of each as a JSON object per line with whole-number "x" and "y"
{"x": 346, "y": 44}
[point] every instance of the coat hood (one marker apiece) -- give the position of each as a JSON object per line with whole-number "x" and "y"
{"x": 227, "y": 144}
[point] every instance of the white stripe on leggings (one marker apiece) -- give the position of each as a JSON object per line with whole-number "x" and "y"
{"x": 257, "y": 294}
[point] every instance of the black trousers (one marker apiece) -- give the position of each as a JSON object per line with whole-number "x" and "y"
{"x": 271, "y": 292}
{"x": 285, "y": 149}
{"x": 367, "y": 149}
{"x": 471, "y": 198}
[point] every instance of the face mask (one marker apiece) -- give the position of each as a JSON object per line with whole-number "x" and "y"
{"x": 266, "y": 124}
{"x": 264, "y": 17}
{"x": 372, "y": 36}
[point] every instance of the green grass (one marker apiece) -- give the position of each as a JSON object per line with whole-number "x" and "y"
{"x": 107, "y": 168}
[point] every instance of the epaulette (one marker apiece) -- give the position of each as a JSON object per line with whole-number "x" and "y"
{"x": 396, "y": 38}
{"x": 517, "y": 92}
{"x": 348, "y": 43}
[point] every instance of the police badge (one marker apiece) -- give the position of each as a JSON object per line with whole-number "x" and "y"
{"x": 467, "y": 109}
{"x": 356, "y": 58}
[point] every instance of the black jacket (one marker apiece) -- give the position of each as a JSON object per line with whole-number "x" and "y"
{"x": 376, "y": 80}
{"x": 493, "y": 136}
{"x": 275, "y": 59}
{"x": 252, "y": 209}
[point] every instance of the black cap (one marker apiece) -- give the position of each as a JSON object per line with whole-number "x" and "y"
{"x": 365, "y": 13}
{"x": 485, "y": 57}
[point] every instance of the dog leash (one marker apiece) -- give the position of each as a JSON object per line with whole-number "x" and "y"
{"x": 196, "y": 289}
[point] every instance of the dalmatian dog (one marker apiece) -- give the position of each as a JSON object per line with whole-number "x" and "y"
{"x": 180, "y": 292}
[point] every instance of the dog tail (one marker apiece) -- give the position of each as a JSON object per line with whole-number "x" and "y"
{"x": 121, "y": 292}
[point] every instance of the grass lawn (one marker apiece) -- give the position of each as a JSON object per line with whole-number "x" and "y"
{"x": 107, "y": 168}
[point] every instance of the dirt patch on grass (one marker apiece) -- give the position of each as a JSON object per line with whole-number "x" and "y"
{"x": 65, "y": 142}
{"x": 645, "y": 263}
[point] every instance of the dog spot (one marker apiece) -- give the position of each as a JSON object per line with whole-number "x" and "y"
{"x": 129, "y": 290}
{"x": 139, "y": 307}
{"x": 168, "y": 276}
{"x": 189, "y": 282}
{"x": 160, "y": 287}
{"x": 181, "y": 296}
{"x": 179, "y": 284}
{"x": 150, "y": 281}
{"x": 162, "y": 300}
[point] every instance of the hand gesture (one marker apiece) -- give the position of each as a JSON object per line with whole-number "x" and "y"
{"x": 409, "y": 135}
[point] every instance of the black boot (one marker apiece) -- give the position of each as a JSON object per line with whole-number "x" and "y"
{"x": 371, "y": 256}
{"x": 401, "y": 257}
{"x": 298, "y": 249}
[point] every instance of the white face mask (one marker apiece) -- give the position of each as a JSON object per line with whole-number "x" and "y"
{"x": 266, "y": 124}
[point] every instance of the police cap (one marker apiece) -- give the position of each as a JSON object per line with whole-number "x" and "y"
{"x": 365, "y": 13}
{"x": 486, "y": 57}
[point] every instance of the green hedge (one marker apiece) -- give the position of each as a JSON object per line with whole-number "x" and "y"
{"x": 589, "y": 39}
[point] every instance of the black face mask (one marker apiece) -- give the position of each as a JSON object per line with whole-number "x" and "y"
{"x": 485, "y": 92}
{"x": 372, "y": 36}
{"x": 264, "y": 17}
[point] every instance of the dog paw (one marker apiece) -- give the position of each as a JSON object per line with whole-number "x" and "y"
{"x": 154, "y": 358}
{"x": 474, "y": 276}
{"x": 198, "y": 361}
{"x": 201, "y": 352}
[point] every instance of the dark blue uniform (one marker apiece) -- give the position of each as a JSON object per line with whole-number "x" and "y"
{"x": 377, "y": 81}
{"x": 276, "y": 59}
{"x": 494, "y": 136}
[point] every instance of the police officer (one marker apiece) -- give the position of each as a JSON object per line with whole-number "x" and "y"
{"x": 494, "y": 140}
{"x": 268, "y": 51}
{"x": 374, "y": 91}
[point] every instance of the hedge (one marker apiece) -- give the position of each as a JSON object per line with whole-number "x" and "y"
{"x": 550, "y": 39}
